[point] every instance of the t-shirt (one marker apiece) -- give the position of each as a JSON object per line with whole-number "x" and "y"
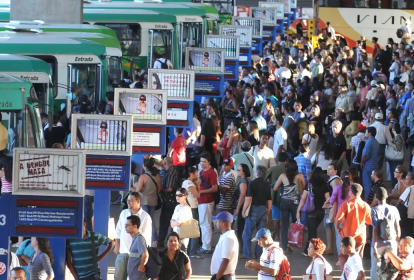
{"x": 179, "y": 156}
{"x": 190, "y": 197}
{"x": 210, "y": 178}
{"x": 377, "y": 214}
{"x": 319, "y": 191}
{"x": 263, "y": 156}
{"x": 280, "y": 139}
{"x": 226, "y": 248}
{"x": 259, "y": 191}
{"x": 181, "y": 214}
{"x": 274, "y": 261}
{"x": 352, "y": 267}
{"x": 355, "y": 142}
{"x": 227, "y": 180}
{"x": 338, "y": 144}
{"x": 26, "y": 249}
{"x": 138, "y": 247}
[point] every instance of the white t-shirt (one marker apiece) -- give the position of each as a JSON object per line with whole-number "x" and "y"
{"x": 158, "y": 65}
{"x": 283, "y": 72}
{"x": 280, "y": 139}
{"x": 190, "y": 197}
{"x": 319, "y": 268}
{"x": 226, "y": 248}
{"x": 182, "y": 214}
{"x": 273, "y": 261}
{"x": 262, "y": 157}
{"x": 352, "y": 267}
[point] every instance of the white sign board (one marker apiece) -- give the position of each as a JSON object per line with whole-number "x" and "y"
{"x": 49, "y": 172}
{"x": 267, "y": 15}
{"x": 281, "y": 6}
{"x": 245, "y": 33}
{"x": 179, "y": 84}
{"x": 146, "y": 139}
{"x": 230, "y": 43}
{"x": 255, "y": 23}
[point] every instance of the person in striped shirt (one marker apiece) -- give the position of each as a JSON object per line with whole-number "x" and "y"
{"x": 6, "y": 175}
{"x": 227, "y": 185}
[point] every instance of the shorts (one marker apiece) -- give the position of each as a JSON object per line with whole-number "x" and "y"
{"x": 325, "y": 224}
{"x": 276, "y": 213}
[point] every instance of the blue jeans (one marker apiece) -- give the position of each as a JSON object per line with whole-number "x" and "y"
{"x": 151, "y": 210}
{"x": 289, "y": 208}
{"x": 338, "y": 239}
{"x": 255, "y": 220}
{"x": 121, "y": 265}
{"x": 366, "y": 180}
{"x": 88, "y": 211}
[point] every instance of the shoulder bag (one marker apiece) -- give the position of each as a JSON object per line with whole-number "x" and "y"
{"x": 313, "y": 276}
{"x": 159, "y": 200}
{"x": 189, "y": 229}
{"x": 309, "y": 205}
{"x": 387, "y": 271}
{"x": 392, "y": 154}
{"x": 94, "y": 257}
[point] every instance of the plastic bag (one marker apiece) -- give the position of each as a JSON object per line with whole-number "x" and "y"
{"x": 296, "y": 235}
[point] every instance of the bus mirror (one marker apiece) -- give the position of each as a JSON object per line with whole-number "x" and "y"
{"x": 68, "y": 107}
{"x": 50, "y": 120}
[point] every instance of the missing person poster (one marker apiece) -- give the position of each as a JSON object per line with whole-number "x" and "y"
{"x": 267, "y": 15}
{"x": 204, "y": 60}
{"x": 255, "y": 23}
{"x": 179, "y": 84}
{"x": 244, "y": 32}
{"x": 144, "y": 105}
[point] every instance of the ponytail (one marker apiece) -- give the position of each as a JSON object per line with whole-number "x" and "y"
{"x": 346, "y": 183}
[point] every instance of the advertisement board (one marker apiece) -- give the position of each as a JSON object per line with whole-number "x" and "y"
{"x": 255, "y": 23}
{"x": 244, "y": 32}
{"x": 46, "y": 216}
{"x": 304, "y": 13}
{"x": 204, "y": 60}
{"x": 281, "y": 6}
{"x": 49, "y": 172}
{"x": 149, "y": 139}
{"x": 267, "y": 15}
{"x": 179, "y": 84}
{"x": 241, "y": 11}
{"x": 102, "y": 134}
{"x": 144, "y": 105}
{"x": 230, "y": 44}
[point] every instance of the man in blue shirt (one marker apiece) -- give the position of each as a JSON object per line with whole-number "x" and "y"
{"x": 369, "y": 159}
{"x": 268, "y": 92}
{"x": 304, "y": 163}
{"x": 257, "y": 117}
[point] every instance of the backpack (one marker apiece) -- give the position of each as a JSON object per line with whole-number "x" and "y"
{"x": 153, "y": 266}
{"x": 359, "y": 153}
{"x": 164, "y": 65}
{"x": 284, "y": 271}
{"x": 400, "y": 33}
{"x": 386, "y": 228}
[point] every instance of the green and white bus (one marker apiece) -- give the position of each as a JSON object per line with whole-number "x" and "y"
{"x": 35, "y": 71}
{"x": 76, "y": 65}
{"x": 21, "y": 113}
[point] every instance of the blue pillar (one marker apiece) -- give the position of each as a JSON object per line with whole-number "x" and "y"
{"x": 102, "y": 206}
{"x": 58, "y": 246}
{"x": 4, "y": 234}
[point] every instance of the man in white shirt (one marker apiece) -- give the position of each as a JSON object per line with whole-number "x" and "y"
{"x": 162, "y": 60}
{"x": 123, "y": 240}
{"x": 271, "y": 257}
{"x": 353, "y": 269}
{"x": 280, "y": 138}
{"x": 246, "y": 78}
{"x": 406, "y": 32}
{"x": 330, "y": 29}
{"x": 383, "y": 136}
{"x": 225, "y": 257}
{"x": 262, "y": 154}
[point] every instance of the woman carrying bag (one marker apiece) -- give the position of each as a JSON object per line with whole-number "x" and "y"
{"x": 319, "y": 267}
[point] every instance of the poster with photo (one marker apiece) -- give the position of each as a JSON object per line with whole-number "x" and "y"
{"x": 144, "y": 105}
{"x": 244, "y": 32}
{"x": 205, "y": 60}
{"x": 267, "y": 15}
{"x": 179, "y": 84}
{"x": 281, "y": 6}
{"x": 230, "y": 44}
{"x": 255, "y": 23}
{"x": 240, "y": 11}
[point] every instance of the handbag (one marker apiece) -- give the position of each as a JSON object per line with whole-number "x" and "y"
{"x": 392, "y": 154}
{"x": 309, "y": 205}
{"x": 325, "y": 276}
{"x": 296, "y": 234}
{"x": 387, "y": 271}
{"x": 189, "y": 229}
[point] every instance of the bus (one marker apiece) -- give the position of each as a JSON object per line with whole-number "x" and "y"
{"x": 21, "y": 113}
{"x": 76, "y": 65}
{"x": 35, "y": 71}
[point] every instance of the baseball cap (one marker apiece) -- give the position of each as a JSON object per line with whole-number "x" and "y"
{"x": 362, "y": 126}
{"x": 381, "y": 86}
{"x": 228, "y": 162}
{"x": 379, "y": 116}
{"x": 263, "y": 232}
{"x": 223, "y": 216}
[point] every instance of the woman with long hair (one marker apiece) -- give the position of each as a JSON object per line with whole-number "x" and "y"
{"x": 230, "y": 108}
{"x": 40, "y": 265}
{"x": 317, "y": 186}
{"x": 400, "y": 172}
{"x": 181, "y": 268}
{"x": 182, "y": 213}
{"x": 149, "y": 186}
{"x": 243, "y": 173}
{"x": 254, "y": 137}
{"x": 249, "y": 98}
{"x": 292, "y": 182}
{"x": 323, "y": 157}
{"x": 397, "y": 144}
{"x": 319, "y": 266}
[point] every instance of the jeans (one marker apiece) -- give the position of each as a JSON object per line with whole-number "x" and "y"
{"x": 167, "y": 211}
{"x": 151, "y": 210}
{"x": 393, "y": 164}
{"x": 255, "y": 220}
{"x": 88, "y": 211}
{"x": 205, "y": 212}
{"x": 289, "y": 208}
{"x": 338, "y": 239}
{"x": 381, "y": 155}
{"x": 366, "y": 180}
{"x": 376, "y": 263}
{"x": 121, "y": 265}
{"x": 314, "y": 219}
{"x": 240, "y": 228}
{"x": 192, "y": 249}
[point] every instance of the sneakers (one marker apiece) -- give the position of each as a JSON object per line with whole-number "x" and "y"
{"x": 203, "y": 251}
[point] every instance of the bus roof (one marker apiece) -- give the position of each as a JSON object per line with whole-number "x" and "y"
{"x": 21, "y": 63}
{"x": 118, "y": 15}
{"x": 211, "y": 12}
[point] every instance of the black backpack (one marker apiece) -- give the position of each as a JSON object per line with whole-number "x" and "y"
{"x": 400, "y": 33}
{"x": 153, "y": 266}
{"x": 164, "y": 65}
{"x": 359, "y": 153}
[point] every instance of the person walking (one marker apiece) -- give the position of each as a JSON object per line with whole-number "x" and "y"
{"x": 319, "y": 266}
{"x": 138, "y": 256}
{"x": 262, "y": 154}
{"x": 383, "y": 136}
{"x": 243, "y": 173}
{"x": 225, "y": 257}
{"x": 257, "y": 206}
{"x": 40, "y": 265}
{"x": 369, "y": 159}
{"x": 353, "y": 269}
{"x": 182, "y": 213}
{"x": 354, "y": 214}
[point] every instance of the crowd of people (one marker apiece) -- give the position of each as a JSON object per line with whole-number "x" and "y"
{"x": 302, "y": 137}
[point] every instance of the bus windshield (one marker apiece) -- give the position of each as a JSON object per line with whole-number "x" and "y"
{"x": 83, "y": 79}
{"x": 192, "y": 34}
{"x": 161, "y": 43}
{"x": 129, "y": 36}
{"x": 42, "y": 90}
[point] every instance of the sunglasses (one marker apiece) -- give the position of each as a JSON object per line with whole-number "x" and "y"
{"x": 180, "y": 195}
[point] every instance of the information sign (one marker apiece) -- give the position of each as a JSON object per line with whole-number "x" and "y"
{"x": 245, "y": 33}
{"x": 149, "y": 139}
{"x": 267, "y": 15}
{"x": 179, "y": 84}
{"x": 180, "y": 113}
{"x": 230, "y": 43}
{"x": 108, "y": 172}
{"x": 208, "y": 85}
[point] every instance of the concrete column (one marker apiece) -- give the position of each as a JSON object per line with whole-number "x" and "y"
{"x": 50, "y": 11}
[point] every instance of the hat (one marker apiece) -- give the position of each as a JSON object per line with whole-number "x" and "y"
{"x": 263, "y": 232}
{"x": 381, "y": 86}
{"x": 362, "y": 127}
{"x": 374, "y": 83}
{"x": 379, "y": 116}
{"x": 246, "y": 146}
{"x": 223, "y": 216}
{"x": 228, "y": 162}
